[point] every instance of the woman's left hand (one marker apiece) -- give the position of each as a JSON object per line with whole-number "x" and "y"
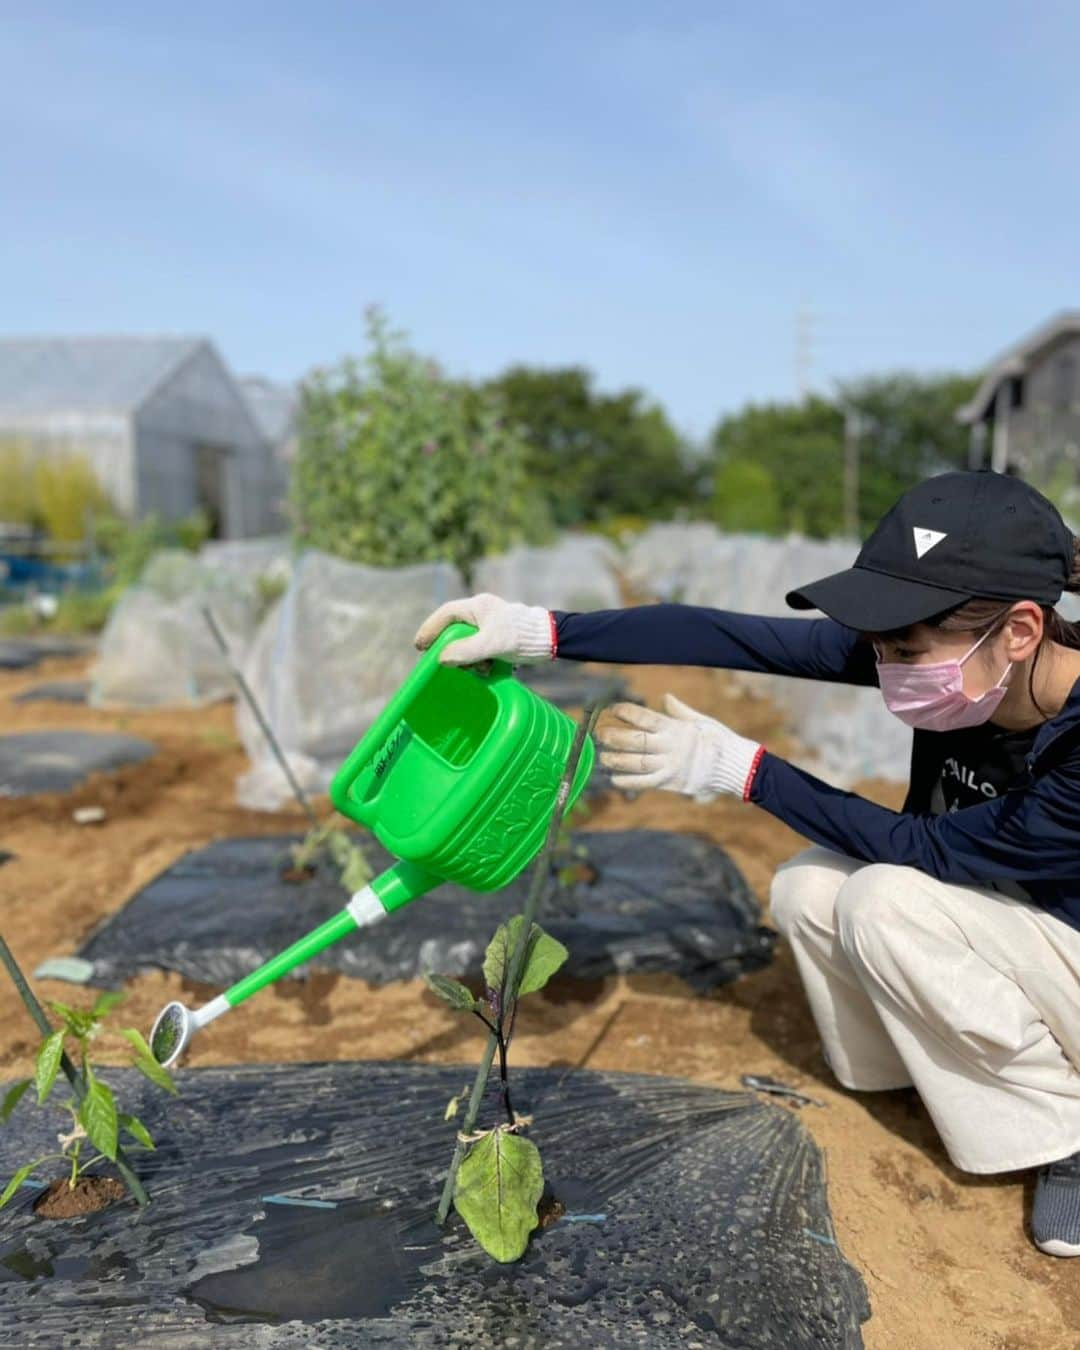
{"x": 684, "y": 751}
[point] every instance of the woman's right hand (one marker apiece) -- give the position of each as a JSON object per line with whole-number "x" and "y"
{"x": 508, "y": 631}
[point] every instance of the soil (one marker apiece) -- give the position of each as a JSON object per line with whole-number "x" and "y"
{"x": 946, "y": 1256}
{"x": 63, "y": 1201}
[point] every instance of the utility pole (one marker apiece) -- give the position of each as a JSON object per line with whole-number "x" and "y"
{"x": 852, "y": 431}
{"x": 804, "y": 350}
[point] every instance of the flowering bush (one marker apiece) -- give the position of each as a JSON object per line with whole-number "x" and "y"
{"x": 399, "y": 465}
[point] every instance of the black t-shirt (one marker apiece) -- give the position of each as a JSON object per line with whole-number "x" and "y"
{"x": 980, "y": 763}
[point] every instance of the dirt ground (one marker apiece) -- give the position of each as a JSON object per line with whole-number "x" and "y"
{"x": 945, "y": 1256}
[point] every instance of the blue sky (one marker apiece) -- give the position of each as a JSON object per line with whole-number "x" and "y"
{"x": 651, "y": 190}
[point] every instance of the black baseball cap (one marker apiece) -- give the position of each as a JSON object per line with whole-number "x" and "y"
{"x": 950, "y": 538}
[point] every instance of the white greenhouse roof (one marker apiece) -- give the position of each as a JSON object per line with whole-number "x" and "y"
{"x": 273, "y": 406}
{"x": 56, "y": 373}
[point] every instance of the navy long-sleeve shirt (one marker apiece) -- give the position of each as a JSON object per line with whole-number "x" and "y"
{"x": 1028, "y": 837}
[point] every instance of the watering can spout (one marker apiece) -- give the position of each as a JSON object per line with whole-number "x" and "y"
{"x": 397, "y": 886}
{"x": 457, "y": 778}
{"x": 394, "y": 888}
{"x": 400, "y": 884}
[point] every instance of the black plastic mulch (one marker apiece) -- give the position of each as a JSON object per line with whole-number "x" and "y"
{"x": 55, "y": 761}
{"x": 638, "y": 900}
{"x": 695, "y": 1217}
{"x": 55, "y": 691}
{"x": 24, "y": 653}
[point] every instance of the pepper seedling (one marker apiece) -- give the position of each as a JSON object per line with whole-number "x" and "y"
{"x": 95, "y": 1117}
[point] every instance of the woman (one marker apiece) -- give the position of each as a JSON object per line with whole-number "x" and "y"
{"x": 939, "y": 945}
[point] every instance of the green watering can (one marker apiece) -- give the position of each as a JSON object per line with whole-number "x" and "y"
{"x": 457, "y": 777}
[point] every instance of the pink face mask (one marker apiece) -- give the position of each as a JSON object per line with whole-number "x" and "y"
{"x": 932, "y": 696}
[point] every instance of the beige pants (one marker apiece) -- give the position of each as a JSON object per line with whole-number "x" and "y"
{"x": 971, "y": 996}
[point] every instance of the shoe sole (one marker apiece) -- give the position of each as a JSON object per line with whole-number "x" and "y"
{"x": 1053, "y": 1247}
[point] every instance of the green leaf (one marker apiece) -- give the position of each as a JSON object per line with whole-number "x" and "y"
{"x": 498, "y": 1187}
{"x": 499, "y": 951}
{"x": 15, "y": 1182}
{"x": 135, "y": 1128}
{"x": 138, "y": 1041}
{"x": 451, "y": 991}
{"x": 106, "y": 1002}
{"x": 355, "y": 874}
{"x": 48, "y": 1062}
{"x": 97, "y": 1111}
{"x": 78, "y": 1023}
{"x": 543, "y": 957}
{"x": 348, "y": 858}
{"x": 145, "y": 1062}
{"x": 13, "y": 1097}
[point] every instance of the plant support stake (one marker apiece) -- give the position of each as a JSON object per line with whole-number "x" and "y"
{"x": 35, "y": 1010}
{"x": 249, "y": 697}
{"x": 517, "y": 957}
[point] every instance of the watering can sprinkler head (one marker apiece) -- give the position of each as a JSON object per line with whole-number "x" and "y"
{"x": 175, "y": 1025}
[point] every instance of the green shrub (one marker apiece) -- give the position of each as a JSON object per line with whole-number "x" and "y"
{"x": 84, "y": 611}
{"x": 18, "y": 621}
{"x": 16, "y": 485}
{"x": 66, "y": 494}
{"x": 128, "y": 546}
{"x": 399, "y": 465}
{"x": 745, "y": 498}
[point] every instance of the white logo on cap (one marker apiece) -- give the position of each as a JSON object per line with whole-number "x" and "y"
{"x": 926, "y": 539}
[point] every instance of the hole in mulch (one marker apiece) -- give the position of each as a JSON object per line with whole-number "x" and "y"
{"x": 297, "y": 874}
{"x": 550, "y": 1210}
{"x": 63, "y": 1201}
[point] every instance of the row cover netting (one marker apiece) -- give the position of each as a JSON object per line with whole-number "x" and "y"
{"x": 575, "y": 574}
{"x": 340, "y": 641}
{"x": 324, "y": 662}
{"x": 157, "y": 650}
{"x": 327, "y": 655}
{"x": 847, "y": 732}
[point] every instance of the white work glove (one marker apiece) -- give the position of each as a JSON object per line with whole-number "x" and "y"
{"x": 685, "y": 752}
{"x": 522, "y": 634}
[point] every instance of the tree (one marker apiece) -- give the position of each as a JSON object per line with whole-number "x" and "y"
{"x": 398, "y": 464}
{"x": 745, "y": 498}
{"x": 800, "y": 448}
{"x": 906, "y": 430}
{"x": 596, "y": 456}
{"x": 909, "y": 432}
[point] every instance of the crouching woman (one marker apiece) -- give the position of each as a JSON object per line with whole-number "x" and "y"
{"x": 938, "y": 945}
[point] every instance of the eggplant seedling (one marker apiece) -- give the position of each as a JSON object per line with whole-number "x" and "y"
{"x": 501, "y": 1177}
{"x": 496, "y": 1177}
